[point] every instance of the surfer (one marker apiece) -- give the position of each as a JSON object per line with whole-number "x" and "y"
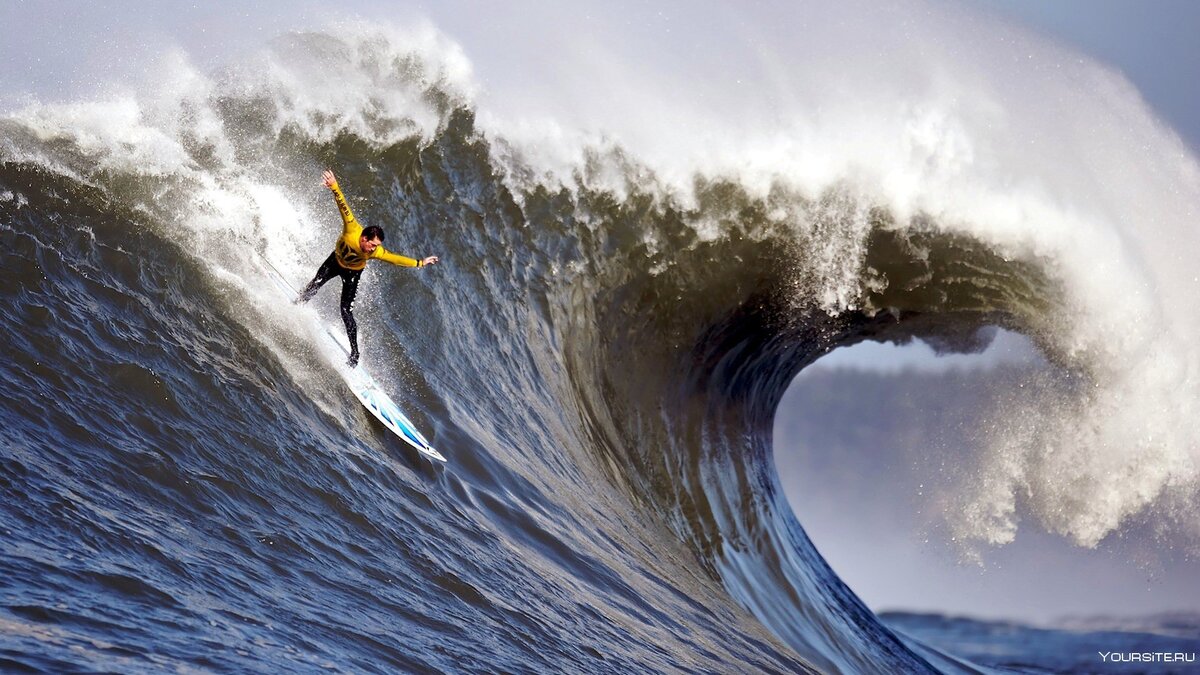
{"x": 350, "y": 254}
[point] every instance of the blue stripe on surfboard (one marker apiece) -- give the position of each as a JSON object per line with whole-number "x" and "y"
{"x": 390, "y": 414}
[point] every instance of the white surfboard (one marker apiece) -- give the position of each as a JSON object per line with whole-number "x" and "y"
{"x": 367, "y": 391}
{"x": 379, "y": 404}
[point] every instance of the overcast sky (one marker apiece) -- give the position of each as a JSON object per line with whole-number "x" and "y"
{"x": 1155, "y": 43}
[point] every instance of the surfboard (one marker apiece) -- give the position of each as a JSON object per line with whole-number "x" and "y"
{"x": 366, "y": 389}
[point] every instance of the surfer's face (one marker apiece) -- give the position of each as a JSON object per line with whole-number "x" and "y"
{"x": 367, "y": 245}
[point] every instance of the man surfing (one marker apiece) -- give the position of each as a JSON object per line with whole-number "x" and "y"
{"x": 350, "y": 254}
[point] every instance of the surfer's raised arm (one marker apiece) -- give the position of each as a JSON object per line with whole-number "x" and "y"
{"x": 348, "y": 222}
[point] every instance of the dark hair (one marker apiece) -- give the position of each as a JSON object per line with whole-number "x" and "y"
{"x": 373, "y": 232}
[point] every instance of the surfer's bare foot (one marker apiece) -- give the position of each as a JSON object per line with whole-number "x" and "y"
{"x": 353, "y": 360}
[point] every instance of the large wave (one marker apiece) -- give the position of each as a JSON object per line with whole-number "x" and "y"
{"x": 633, "y": 274}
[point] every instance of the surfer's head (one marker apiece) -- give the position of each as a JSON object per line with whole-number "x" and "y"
{"x": 371, "y": 237}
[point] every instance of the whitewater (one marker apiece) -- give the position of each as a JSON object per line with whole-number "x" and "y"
{"x": 649, "y": 222}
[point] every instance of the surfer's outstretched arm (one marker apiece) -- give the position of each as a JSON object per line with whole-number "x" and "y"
{"x": 381, "y": 253}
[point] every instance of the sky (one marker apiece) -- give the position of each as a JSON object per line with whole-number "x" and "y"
{"x": 887, "y": 357}
{"x": 1153, "y": 42}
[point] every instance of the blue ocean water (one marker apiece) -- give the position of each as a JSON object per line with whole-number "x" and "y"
{"x": 1155, "y": 644}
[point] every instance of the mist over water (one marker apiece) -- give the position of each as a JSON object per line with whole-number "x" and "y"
{"x": 650, "y": 221}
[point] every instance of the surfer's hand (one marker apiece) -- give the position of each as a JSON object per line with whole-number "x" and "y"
{"x": 330, "y": 180}
{"x": 429, "y": 261}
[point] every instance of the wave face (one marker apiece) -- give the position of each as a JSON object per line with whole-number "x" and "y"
{"x": 600, "y": 356}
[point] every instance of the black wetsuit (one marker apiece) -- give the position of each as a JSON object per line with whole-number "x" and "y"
{"x": 328, "y": 270}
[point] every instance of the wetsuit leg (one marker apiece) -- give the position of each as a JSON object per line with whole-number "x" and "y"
{"x": 349, "y": 290}
{"x": 328, "y": 270}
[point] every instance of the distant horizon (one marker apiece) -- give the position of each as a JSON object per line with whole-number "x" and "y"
{"x": 1102, "y": 621}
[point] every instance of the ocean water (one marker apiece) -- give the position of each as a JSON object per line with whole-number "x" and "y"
{"x": 1164, "y": 643}
{"x": 621, "y": 303}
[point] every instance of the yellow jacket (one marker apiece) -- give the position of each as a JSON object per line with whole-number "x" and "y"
{"x": 349, "y": 255}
